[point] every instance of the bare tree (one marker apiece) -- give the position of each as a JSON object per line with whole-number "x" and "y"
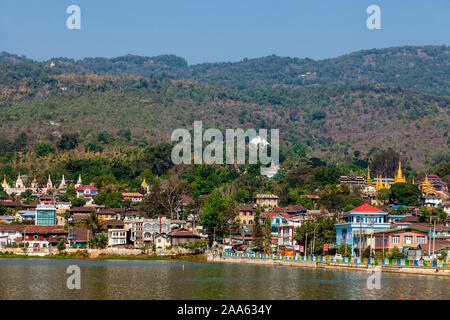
{"x": 170, "y": 196}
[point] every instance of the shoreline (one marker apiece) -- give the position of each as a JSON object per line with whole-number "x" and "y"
{"x": 421, "y": 270}
{"x": 179, "y": 257}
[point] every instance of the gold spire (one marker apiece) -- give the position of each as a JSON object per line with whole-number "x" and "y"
{"x": 4, "y": 180}
{"x": 378, "y": 185}
{"x": 144, "y": 183}
{"x": 399, "y": 176}
{"x": 386, "y": 185}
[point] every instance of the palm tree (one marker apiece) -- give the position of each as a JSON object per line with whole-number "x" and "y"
{"x": 92, "y": 223}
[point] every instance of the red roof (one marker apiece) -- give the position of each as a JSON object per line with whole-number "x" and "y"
{"x": 274, "y": 214}
{"x": 366, "y": 208}
{"x": 92, "y": 188}
{"x": 43, "y": 229}
{"x": 132, "y": 194}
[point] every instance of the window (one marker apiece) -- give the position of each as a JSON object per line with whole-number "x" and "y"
{"x": 408, "y": 239}
{"x": 395, "y": 239}
{"x": 420, "y": 240}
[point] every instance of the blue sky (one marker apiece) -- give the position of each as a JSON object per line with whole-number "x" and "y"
{"x": 211, "y": 30}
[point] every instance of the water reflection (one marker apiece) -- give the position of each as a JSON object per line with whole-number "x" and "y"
{"x": 46, "y": 279}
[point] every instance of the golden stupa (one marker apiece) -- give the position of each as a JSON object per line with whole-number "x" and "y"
{"x": 144, "y": 184}
{"x": 368, "y": 182}
{"x": 427, "y": 187}
{"x": 399, "y": 176}
{"x": 5, "y": 183}
{"x": 386, "y": 185}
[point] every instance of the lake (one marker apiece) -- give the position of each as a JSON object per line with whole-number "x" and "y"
{"x": 128, "y": 279}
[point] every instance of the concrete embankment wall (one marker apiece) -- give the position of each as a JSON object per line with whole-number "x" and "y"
{"x": 437, "y": 271}
{"x": 92, "y": 253}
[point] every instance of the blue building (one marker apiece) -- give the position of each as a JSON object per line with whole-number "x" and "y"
{"x": 46, "y": 214}
{"x": 358, "y": 231}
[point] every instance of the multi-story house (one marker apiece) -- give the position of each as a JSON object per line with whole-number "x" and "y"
{"x": 402, "y": 238}
{"x": 267, "y": 201}
{"x": 246, "y": 214}
{"x": 11, "y": 234}
{"x": 87, "y": 192}
{"x": 117, "y": 237}
{"x": 143, "y": 231}
{"x": 43, "y": 236}
{"x": 358, "y": 231}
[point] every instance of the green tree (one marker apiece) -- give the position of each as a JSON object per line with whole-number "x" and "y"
{"x": 158, "y": 158}
{"x": 3, "y": 194}
{"x": 432, "y": 214}
{"x": 400, "y": 211}
{"x": 44, "y": 149}
{"x": 71, "y": 192}
{"x": 396, "y": 254}
{"x": 367, "y": 253}
{"x": 100, "y": 241}
{"x": 78, "y": 202}
{"x": 152, "y": 206}
{"x": 93, "y": 223}
{"x": 268, "y": 236}
{"x": 345, "y": 250}
{"x": 218, "y": 213}
{"x": 405, "y": 193}
{"x": 243, "y": 196}
{"x": 306, "y": 202}
{"x": 21, "y": 141}
{"x": 383, "y": 195}
{"x": 68, "y": 141}
{"x": 318, "y": 231}
{"x": 3, "y": 210}
{"x": 61, "y": 245}
{"x": 257, "y": 231}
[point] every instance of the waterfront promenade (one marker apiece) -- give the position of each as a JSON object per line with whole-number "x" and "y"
{"x": 363, "y": 264}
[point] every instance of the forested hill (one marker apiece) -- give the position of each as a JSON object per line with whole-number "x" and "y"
{"x": 333, "y": 111}
{"x": 423, "y": 68}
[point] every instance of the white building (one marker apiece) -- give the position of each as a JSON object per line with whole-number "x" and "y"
{"x": 144, "y": 231}
{"x": 11, "y": 234}
{"x": 117, "y": 237}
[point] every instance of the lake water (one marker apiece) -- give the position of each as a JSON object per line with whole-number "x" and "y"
{"x": 126, "y": 279}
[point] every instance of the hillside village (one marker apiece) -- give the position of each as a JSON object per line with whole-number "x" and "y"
{"x": 51, "y": 217}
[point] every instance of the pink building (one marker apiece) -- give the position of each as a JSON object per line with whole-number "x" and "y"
{"x": 402, "y": 238}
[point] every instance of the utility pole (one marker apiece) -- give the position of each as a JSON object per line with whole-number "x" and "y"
{"x": 372, "y": 247}
{"x": 434, "y": 236}
{"x": 314, "y": 239}
{"x": 306, "y": 244}
{"x": 360, "y": 240}
{"x": 429, "y": 238}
